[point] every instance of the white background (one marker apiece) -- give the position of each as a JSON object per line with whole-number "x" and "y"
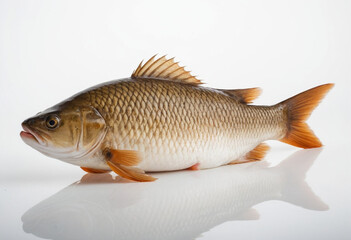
{"x": 50, "y": 50}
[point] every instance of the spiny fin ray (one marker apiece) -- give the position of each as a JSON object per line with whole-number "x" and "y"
{"x": 164, "y": 69}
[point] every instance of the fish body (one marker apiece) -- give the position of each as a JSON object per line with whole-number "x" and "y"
{"x": 161, "y": 119}
{"x": 174, "y": 126}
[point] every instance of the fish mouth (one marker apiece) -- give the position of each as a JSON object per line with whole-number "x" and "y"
{"x": 31, "y": 135}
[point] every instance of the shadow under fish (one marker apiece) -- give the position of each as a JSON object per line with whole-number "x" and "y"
{"x": 181, "y": 205}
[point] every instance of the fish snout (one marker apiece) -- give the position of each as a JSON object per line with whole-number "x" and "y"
{"x": 27, "y": 123}
{"x": 29, "y": 133}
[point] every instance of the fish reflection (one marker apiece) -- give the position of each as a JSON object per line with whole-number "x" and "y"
{"x": 180, "y": 205}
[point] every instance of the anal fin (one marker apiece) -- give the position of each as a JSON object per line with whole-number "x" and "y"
{"x": 256, "y": 154}
{"x": 92, "y": 170}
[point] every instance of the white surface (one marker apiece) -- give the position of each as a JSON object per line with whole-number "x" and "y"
{"x": 50, "y": 50}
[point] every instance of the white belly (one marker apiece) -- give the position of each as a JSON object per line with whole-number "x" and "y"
{"x": 209, "y": 155}
{"x": 158, "y": 156}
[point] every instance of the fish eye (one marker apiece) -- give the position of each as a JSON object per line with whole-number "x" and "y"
{"x": 52, "y": 121}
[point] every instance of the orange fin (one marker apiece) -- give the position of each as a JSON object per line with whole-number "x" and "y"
{"x": 243, "y": 95}
{"x": 92, "y": 170}
{"x": 164, "y": 69}
{"x": 298, "y": 109}
{"x": 194, "y": 167}
{"x": 256, "y": 154}
{"x": 122, "y": 162}
{"x": 131, "y": 173}
{"x": 123, "y": 157}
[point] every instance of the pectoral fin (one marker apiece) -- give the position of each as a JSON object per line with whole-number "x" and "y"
{"x": 122, "y": 162}
{"x": 92, "y": 170}
{"x": 131, "y": 173}
{"x": 124, "y": 157}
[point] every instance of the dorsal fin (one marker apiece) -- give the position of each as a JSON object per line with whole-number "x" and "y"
{"x": 165, "y": 69}
{"x": 243, "y": 95}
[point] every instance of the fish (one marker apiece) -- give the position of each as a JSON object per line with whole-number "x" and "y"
{"x": 163, "y": 119}
{"x": 196, "y": 203}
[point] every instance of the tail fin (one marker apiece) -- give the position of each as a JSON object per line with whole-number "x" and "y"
{"x": 298, "y": 109}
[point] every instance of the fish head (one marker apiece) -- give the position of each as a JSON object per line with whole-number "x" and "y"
{"x": 65, "y": 132}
